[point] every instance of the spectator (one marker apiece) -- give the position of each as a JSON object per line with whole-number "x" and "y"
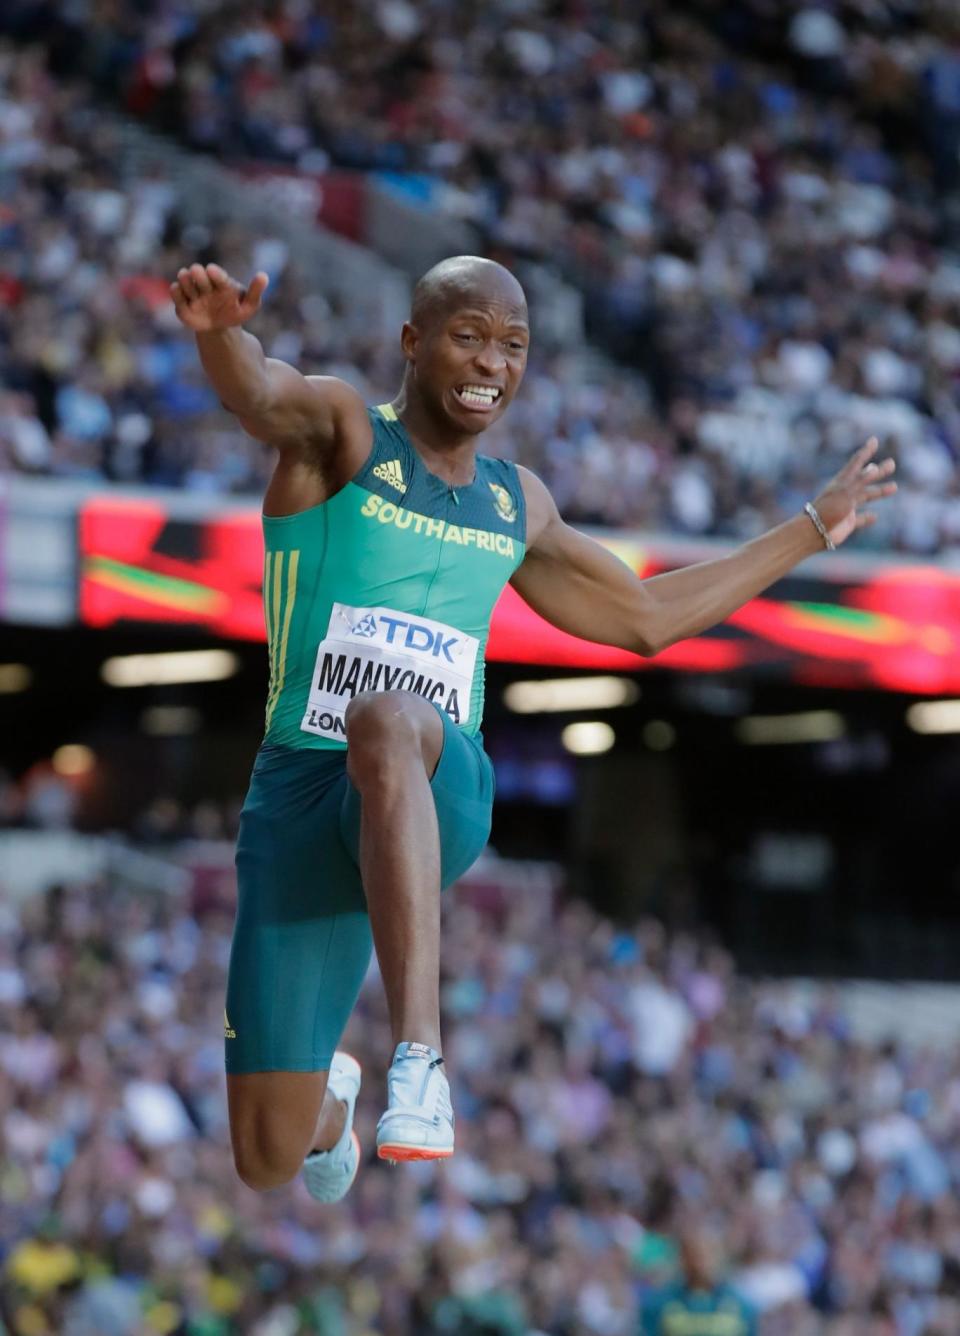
{"x": 700, "y": 1303}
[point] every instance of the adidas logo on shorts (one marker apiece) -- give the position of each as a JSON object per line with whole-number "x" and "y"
{"x": 390, "y": 472}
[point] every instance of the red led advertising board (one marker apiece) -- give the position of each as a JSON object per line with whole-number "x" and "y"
{"x": 894, "y": 627}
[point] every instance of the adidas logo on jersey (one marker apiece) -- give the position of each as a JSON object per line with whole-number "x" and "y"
{"x": 390, "y": 472}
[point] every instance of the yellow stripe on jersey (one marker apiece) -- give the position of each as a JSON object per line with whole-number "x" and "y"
{"x": 292, "y": 565}
{"x": 277, "y": 576}
{"x": 387, "y": 411}
{"x": 271, "y": 603}
{"x": 267, "y": 606}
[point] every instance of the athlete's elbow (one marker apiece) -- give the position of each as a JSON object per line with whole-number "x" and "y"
{"x": 647, "y": 646}
{"x": 651, "y": 634}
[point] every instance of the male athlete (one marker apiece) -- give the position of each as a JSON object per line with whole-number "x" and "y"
{"x": 388, "y": 540}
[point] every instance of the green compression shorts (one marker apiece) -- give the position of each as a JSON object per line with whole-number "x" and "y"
{"x": 302, "y": 941}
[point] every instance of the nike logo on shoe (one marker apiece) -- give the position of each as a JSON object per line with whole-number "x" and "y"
{"x": 418, "y": 1123}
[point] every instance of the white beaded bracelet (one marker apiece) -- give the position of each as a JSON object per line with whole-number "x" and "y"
{"x": 820, "y": 527}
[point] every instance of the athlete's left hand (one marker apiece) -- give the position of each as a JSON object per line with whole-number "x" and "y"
{"x": 842, "y": 502}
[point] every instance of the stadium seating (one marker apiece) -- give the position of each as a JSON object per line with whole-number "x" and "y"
{"x": 777, "y": 272}
{"x": 827, "y": 1156}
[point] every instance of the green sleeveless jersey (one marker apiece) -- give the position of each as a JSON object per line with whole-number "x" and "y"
{"x": 388, "y": 585}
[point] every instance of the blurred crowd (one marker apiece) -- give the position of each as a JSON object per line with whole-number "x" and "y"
{"x": 757, "y": 199}
{"x": 623, "y": 1099}
{"x": 101, "y": 383}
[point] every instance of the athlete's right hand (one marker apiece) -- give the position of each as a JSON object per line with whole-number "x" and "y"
{"x": 207, "y": 298}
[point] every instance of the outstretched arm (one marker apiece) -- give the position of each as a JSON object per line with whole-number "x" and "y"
{"x": 582, "y": 588}
{"x": 271, "y": 400}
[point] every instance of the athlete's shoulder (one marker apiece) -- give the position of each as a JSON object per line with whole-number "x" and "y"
{"x": 349, "y": 425}
{"x": 337, "y": 390}
{"x": 541, "y": 509}
{"x": 534, "y": 488}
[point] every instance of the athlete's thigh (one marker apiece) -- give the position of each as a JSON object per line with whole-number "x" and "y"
{"x": 301, "y": 943}
{"x": 462, "y": 788}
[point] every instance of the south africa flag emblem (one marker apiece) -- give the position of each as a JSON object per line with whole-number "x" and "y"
{"x": 504, "y": 502}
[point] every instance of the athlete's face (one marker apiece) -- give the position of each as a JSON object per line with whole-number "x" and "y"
{"x": 469, "y": 361}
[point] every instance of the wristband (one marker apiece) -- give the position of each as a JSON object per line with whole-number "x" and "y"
{"x": 811, "y": 510}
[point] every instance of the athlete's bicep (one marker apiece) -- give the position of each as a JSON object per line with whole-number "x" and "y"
{"x": 316, "y": 456}
{"x": 320, "y": 413}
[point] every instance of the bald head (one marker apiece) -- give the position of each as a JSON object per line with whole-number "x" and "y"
{"x": 464, "y": 280}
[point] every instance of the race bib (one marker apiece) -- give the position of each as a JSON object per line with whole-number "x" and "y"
{"x": 377, "y": 649}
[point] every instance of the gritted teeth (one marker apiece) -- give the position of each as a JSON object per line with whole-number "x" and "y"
{"x": 480, "y": 396}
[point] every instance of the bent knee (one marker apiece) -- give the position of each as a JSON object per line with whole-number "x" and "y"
{"x": 261, "y": 1172}
{"x": 268, "y": 1154}
{"x": 273, "y": 1116}
{"x": 385, "y": 728}
{"x": 375, "y": 713}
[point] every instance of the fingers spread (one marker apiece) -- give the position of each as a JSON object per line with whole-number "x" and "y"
{"x": 865, "y": 453}
{"x": 865, "y": 519}
{"x": 878, "y": 490}
{"x": 218, "y": 277}
{"x": 882, "y": 470}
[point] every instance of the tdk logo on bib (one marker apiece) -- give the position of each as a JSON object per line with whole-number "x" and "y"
{"x": 408, "y": 635}
{"x": 378, "y": 649}
{"x": 414, "y": 635}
